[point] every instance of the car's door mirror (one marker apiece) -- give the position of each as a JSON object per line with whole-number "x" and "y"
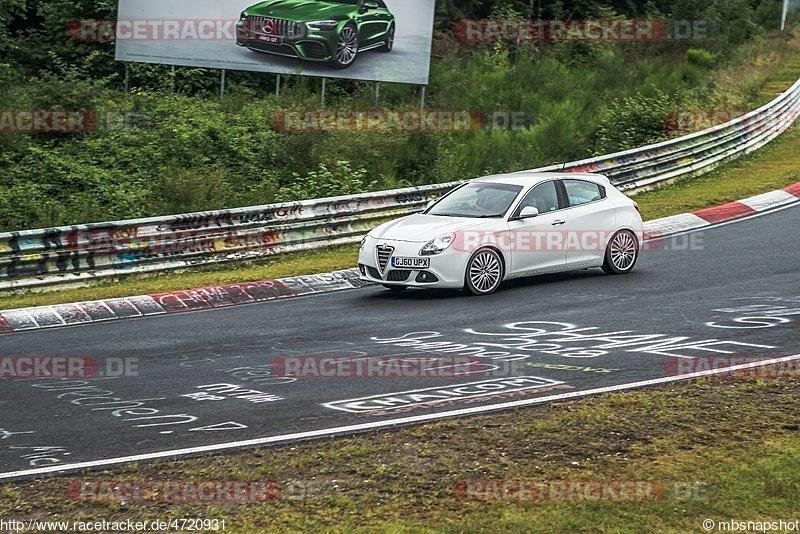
{"x": 528, "y": 212}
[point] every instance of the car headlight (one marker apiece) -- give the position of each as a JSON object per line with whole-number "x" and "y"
{"x": 242, "y": 16}
{"x": 364, "y": 241}
{"x": 438, "y": 245}
{"x": 323, "y": 25}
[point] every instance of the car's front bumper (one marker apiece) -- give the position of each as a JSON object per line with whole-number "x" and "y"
{"x": 446, "y": 270}
{"x": 312, "y": 45}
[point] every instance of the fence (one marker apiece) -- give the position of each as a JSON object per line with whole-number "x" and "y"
{"x": 83, "y": 252}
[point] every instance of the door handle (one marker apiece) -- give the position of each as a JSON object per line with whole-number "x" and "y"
{"x": 558, "y": 223}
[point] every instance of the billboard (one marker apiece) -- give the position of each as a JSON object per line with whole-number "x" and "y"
{"x": 378, "y": 40}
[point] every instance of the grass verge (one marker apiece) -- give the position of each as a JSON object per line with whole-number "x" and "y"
{"x": 723, "y": 449}
{"x": 773, "y": 167}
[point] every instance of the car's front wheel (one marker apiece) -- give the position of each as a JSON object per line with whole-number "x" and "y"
{"x": 389, "y": 43}
{"x": 346, "y": 47}
{"x": 621, "y": 253}
{"x": 484, "y": 272}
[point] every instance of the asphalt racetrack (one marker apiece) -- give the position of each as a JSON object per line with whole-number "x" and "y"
{"x": 207, "y": 381}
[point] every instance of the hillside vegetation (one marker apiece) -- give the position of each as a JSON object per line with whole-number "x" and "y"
{"x": 189, "y": 150}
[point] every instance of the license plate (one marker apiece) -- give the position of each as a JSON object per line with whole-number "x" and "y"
{"x": 411, "y": 263}
{"x": 270, "y": 39}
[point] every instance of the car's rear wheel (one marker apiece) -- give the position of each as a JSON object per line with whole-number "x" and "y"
{"x": 621, "y": 253}
{"x": 389, "y": 43}
{"x": 346, "y": 47}
{"x": 484, "y": 272}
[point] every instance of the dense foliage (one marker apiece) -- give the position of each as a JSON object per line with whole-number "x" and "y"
{"x": 180, "y": 148}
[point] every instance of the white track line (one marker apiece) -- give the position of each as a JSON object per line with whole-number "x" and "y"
{"x": 382, "y": 424}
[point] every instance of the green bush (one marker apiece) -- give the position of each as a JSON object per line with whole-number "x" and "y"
{"x": 634, "y": 121}
{"x": 326, "y": 182}
{"x": 701, "y": 58}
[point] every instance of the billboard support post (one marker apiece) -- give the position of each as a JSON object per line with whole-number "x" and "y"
{"x": 785, "y": 11}
{"x": 422, "y": 98}
{"x": 172, "y": 78}
{"x": 324, "y": 86}
{"x": 377, "y": 92}
{"x": 127, "y": 78}
{"x": 278, "y": 85}
{"x": 222, "y": 84}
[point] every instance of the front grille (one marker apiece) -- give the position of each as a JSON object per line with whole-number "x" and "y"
{"x": 275, "y": 27}
{"x": 373, "y": 272}
{"x": 398, "y": 276}
{"x": 384, "y": 252}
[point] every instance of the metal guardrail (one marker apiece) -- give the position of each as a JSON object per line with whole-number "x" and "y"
{"x": 84, "y": 252}
{"x": 74, "y": 253}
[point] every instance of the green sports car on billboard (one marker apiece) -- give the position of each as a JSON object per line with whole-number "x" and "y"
{"x": 331, "y": 30}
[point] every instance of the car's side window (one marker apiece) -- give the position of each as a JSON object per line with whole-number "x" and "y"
{"x": 582, "y": 192}
{"x": 543, "y": 197}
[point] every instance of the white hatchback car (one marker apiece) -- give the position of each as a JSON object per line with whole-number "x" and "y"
{"x": 506, "y": 226}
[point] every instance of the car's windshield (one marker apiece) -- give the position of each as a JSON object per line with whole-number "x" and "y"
{"x": 351, "y": 2}
{"x": 478, "y": 199}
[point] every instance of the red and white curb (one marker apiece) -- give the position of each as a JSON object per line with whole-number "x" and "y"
{"x": 204, "y": 298}
{"x": 722, "y": 213}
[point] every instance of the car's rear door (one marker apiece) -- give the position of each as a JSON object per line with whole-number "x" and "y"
{"x": 592, "y": 218}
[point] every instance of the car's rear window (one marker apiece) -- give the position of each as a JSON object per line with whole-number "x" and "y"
{"x": 582, "y": 192}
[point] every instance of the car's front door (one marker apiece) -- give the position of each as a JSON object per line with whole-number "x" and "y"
{"x": 373, "y": 22}
{"x": 536, "y": 245}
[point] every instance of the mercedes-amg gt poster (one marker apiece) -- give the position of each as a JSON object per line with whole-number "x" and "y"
{"x": 378, "y": 40}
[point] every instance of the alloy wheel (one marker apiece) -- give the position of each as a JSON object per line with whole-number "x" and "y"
{"x": 347, "y": 48}
{"x": 623, "y": 251}
{"x": 485, "y": 272}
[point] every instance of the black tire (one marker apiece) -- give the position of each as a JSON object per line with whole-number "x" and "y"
{"x": 395, "y": 289}
{"x": 622, "y": 253}
{"x": 389, "y": 44}
{"x": 338, "y": 60}
{"x": 484, "y": 272}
